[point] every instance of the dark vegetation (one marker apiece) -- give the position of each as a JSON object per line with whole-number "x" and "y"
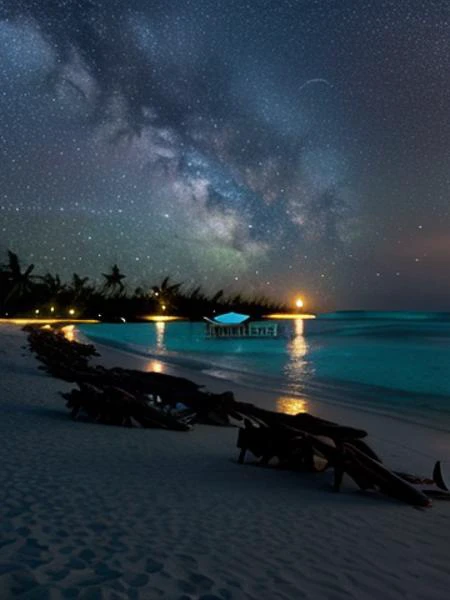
{"x": 25, "y": 293}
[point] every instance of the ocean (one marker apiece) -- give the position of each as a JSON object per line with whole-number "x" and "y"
{"x": 390, "y": 363}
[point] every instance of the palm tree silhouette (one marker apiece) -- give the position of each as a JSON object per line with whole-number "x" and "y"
{"x": 166, "y": 293}
{"x": 79, "y": 288}
{"x": 53, "y": 285}
{"x": 21, "y": 282}
{"x": 113, "y": 283}
{"x": 166, "y": 290}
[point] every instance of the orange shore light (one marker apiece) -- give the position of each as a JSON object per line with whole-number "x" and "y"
{"x": 25, "y": 321}
{"x": 160, "y": 318}
{"x": 290, "y": 316}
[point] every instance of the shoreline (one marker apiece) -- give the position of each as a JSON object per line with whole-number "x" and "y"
{"x": 351, "y": 396}
{"x": 113, "y": 513}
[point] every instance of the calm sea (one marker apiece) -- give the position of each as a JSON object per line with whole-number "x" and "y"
{"x": 395, "y": 363}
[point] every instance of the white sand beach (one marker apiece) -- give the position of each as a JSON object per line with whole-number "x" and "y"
{"x": 93, "y": 512}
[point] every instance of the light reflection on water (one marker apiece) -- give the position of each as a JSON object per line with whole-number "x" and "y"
{"x": 296, "y": 368}
{"x": 156, "y": 366}
{"x": 292, "y": 406}
{"x": 69, "y": 332}
{"x": 236, "y": 353}
{"x": 160, "y": 332}
{"x": 298, "y": 346}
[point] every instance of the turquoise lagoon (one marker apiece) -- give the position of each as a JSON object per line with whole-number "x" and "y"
{"x": 394, "y": 363}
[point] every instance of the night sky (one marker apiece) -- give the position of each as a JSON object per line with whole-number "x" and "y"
{"x": 267, "y": 146}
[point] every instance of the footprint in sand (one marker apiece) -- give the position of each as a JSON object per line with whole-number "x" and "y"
{"x": 100, "y": 593}
{"x": 45, "y": 593}
{"x": 62, "y": 533}
{"x": 153, "y": 566}
{"x": 32, "y": 546}
{"x": 136, "y": 579}
{"x": 86, "y": 555}
{"x": 103, "y": 570}
{"x": 57, "y": 574}
{"x": 76, "y": 563}
{"x": 186, "y": 560}
{"x": 16, "y": 582}
{"x": 203, "y": 583}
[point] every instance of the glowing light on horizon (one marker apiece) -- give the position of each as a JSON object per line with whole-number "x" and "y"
{"x": 161, "y": 318}
{"x": 290, "y": 316}
{"x": 31, "y": 321}
{"x": 299, "y": 303}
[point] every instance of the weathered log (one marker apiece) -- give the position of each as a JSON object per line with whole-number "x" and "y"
{"x": 116, "y": 406}
{"x": 300, "y": 422}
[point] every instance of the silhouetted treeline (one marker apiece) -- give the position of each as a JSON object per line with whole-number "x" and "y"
{"x": 25, "y": 293}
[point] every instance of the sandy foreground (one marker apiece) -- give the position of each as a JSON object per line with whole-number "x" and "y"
{"x": 93, "y": 512}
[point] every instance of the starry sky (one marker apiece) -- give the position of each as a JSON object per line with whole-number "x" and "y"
{"x": 262, "y": 146}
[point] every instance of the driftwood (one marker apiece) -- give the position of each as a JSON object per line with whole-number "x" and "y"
{"x": 300, "y": 421}
{"x": 114, "y": 406}
{"x": 299, "y": 449}
{"x": 126, "y": 396}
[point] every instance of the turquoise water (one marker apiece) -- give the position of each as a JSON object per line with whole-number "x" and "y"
{"x": 396, "y": 363}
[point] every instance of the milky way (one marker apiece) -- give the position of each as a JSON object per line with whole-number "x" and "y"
{"x": 262, "y": 147}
